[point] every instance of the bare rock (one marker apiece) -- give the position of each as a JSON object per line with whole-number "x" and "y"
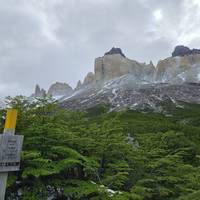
{"x": 115, "y": 65}
{"x": 179, "y": 69}
{"x": 184, "y": 51}
{"x": 39, "y": 93}
{"x": 89, "y": 79}
{"x": 60, "y": 89}
{"x": 115, "y": 51}
{"x": 149, "y": 72}
{"x": 79, "y": 85}
{"x": 37, "y": 89}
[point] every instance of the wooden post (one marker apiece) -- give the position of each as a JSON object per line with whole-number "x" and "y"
{"x": 10, "y": 124}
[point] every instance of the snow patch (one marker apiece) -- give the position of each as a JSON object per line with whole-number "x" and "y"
{"x": 173, "y": 101}
{"x": 135, "y": 104}
{"x": 84, "y": 101}
{"x": 57, "y": 97}
{"x": 74, "y": 94}
{"x": 114, "y": 92}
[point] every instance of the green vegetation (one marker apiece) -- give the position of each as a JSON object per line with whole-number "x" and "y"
{"x": 97, "y": 155}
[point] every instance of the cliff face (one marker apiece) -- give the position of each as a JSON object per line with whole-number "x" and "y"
{"x": 183, "y": 66}
{"x": 115, "y": 65}
{"x": 179, "y": 69}
{"x": 112, "y": 66}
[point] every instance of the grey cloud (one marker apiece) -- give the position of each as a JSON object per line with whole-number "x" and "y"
{"x": 56, "y": 40}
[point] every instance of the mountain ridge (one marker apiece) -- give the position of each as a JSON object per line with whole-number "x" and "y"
{"x": 115, "y": 72}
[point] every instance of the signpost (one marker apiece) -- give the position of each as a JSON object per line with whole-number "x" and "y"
{"x": 10, "y": 149}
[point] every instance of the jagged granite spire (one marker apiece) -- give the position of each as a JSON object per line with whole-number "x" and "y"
{"x": 79, "y": 84}
{"x": 39, "y": 92}
{"x": 37, "y": 89}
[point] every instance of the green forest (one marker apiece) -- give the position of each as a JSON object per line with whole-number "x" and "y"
{"x": 100, "y": 155}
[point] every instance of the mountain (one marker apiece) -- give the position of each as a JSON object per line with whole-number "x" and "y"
{"x": 60, "y": 89}
{"x": 120, "y": 82}
{"x": 56, "y": 90}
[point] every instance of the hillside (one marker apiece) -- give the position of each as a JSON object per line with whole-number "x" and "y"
{"x": 126, "y": 155}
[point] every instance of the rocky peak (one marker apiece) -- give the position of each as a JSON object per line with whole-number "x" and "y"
{"x": 39, "y": 92}
{"x": 89, "y": 79}
{"x": 184, "y": 51}
{"x": 151, "y": 63}
{"x": 60, "y": 89}
{"x": 115, "y": 51}
{"x": 78, "y": 86}
{"x": 37, "y": 89}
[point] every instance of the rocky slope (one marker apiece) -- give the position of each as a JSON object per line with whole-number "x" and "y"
{"x": 122, "y": 93}
{"x": 122, "y": 82}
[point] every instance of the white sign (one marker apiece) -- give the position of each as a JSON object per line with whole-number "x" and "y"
{"x": 10, "y": 149}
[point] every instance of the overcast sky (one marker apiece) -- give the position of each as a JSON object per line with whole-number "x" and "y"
{"x": 44, "y": 41}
